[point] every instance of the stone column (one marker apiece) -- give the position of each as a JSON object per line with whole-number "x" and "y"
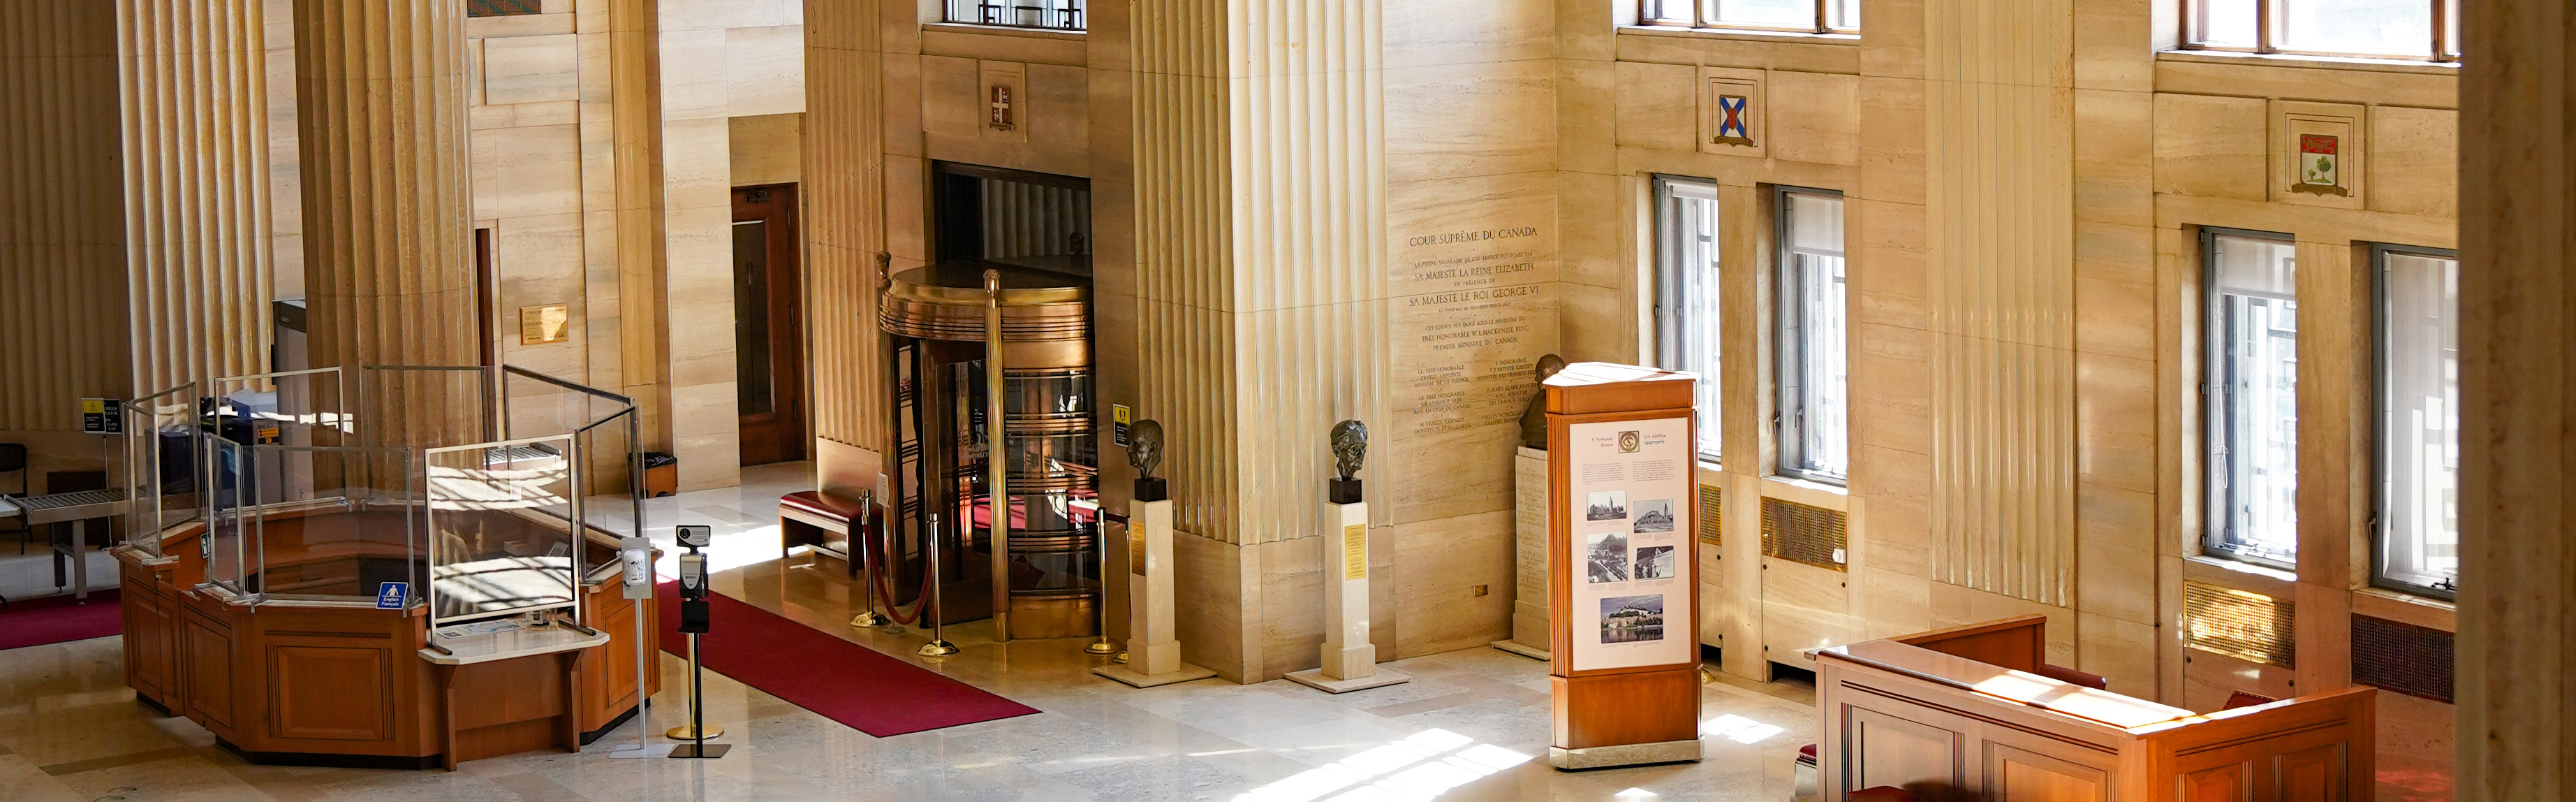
{"x": 380, "y": 89}
{"x": 2517, "y": 642}
{"x": 194, "y": 75}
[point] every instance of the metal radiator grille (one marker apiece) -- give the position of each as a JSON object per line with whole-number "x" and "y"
{"x": 2240, "y": 624}
{"x": 503, "y": 8}
{"x": 1711, "y": 502}
{"x": 2401, "y": 657}
{"x": 1800, "y": 533}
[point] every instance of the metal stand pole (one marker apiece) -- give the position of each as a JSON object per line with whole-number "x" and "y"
{"x": 996, "y": 439}
{"x": 938, "y": 645}
{"x": 1100, "y": 532}
{"x": 696, "y": 728}
{"x": 698, "y": 713}
{"x": 860, "y": 535}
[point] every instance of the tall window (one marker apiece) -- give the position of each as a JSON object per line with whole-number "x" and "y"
{"x": 1810, "y": 16}
{"x": 1686, "y": 291}
{"x": 1064, "y": 15}
{"x": 2250, "y": 387}
{"x": 2415, "y": 29}
{"x": 1815, "y": 408}
{"x": 2418, "y": 537}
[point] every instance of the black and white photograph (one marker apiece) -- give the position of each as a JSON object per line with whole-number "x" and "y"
{"x": 1609, "y": 559}
{"x": 1653, "y": 515}
{"x": 1630, "y": 619}
{"x": 1606, "y": 505}
{"x": 1655, "y": 562}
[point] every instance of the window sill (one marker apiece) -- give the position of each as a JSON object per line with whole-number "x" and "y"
{"x": 1741, "y": 34}
{"x": 2241, "y": 575}
{"x": 2399, "y": 606}
{"x": 1807, "y": 491}
{"x": 2361, "y": 64}
{"x": 1004, "y": 30}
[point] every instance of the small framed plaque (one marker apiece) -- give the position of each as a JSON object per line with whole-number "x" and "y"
{"x": 539, "y": 325}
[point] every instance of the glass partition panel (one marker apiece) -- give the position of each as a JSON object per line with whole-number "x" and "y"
{"x": 163, "y": 465}
{"x": 229, "y": 481}
{"x": 304, "y": 408}
{"x": 501, "y": 532}
{"x": 344, "y": 541}
{"x": 603, "y": 426}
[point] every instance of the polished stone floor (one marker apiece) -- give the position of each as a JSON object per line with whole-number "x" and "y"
{"x": 1473, "y": 725}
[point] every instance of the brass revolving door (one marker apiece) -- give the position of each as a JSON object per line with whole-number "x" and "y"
{"x": 1011, "y": 543}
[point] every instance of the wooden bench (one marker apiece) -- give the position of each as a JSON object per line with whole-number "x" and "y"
{"x": 825, "y": 521}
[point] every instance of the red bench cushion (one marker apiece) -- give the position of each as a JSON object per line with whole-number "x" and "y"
{"x": 819, "y": 504}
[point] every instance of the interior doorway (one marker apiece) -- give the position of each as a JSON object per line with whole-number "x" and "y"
{"x": 769, "y": 327}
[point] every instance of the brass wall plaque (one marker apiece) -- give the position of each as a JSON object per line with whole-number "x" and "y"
{"x": 1355, "y": 551}
{"x": 539, "y": 325}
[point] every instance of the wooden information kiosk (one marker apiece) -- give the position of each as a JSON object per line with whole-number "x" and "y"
{"x": 1963, "y": 713}
{"x": 1623, "y": 590}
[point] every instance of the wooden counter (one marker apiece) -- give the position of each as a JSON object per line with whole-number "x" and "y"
{"x": 344, "y": 684}
{"x": 1915, "y": 713}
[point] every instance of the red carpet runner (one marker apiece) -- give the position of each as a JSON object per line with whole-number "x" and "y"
{"x": 55, "y": 619}
{"x": 842, "y": 681}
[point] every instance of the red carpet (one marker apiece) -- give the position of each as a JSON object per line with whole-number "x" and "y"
{"x": 54, "y": 619}
{"x": 840, "y": 680}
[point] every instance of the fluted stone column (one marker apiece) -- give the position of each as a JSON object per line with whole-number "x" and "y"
{"x": 2517, "y": 645}
{"x": 194, "y": 80}
{"x": 380, "y": 86}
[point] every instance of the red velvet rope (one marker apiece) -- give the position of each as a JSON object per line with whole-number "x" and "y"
{"x": 876, "y": 584}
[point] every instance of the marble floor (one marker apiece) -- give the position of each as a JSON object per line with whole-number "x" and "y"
{"x": 1472, "y": 725}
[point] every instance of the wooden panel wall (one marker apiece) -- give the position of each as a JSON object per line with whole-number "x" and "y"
{"x": 62, "y": 239}
{"x": 845, "y": 218}
{"x": 198, "y": 208}
{"x": 2001, "y": 295}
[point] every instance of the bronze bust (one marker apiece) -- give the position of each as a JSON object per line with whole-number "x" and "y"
{"x": 1350, "y": 447}
{"x": 1145, "y": 453}
{"x": 1534, "y": 418}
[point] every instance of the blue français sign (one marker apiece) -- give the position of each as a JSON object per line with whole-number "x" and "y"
{"x": 392, "y": 595}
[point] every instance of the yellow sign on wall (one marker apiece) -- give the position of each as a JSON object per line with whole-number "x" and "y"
{"x": 1355, "y": 551}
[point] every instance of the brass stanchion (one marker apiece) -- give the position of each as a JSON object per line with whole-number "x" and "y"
{"x": 1100, "y": 532}
{"x": 938, "y": 645}
{"x": 863, "y": 550}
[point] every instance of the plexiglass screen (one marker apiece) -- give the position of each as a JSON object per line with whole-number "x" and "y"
{"x": 501, "y": 538}
{"x": 2419, "y": 434}
{"x": 2252, "y": 381}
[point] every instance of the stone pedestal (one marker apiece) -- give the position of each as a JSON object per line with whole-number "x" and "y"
{"x": 1529, "y": 575}
{"x": 1153, "y": 645}
{"x": 1350, "y": 660}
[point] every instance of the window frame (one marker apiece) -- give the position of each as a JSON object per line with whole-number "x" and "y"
{"x": 1074, "y": 13}
{"x": 2212, "y": 519}
{"x": 1788, "y": 421}
{"x": 1670, "y": 304}
{"x": 1700, "y": 20}
{"x": 2380, "y": 534}
{"x": 2445, "y": 44}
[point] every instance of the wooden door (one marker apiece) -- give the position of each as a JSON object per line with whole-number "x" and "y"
{"x": 769, "y": 329}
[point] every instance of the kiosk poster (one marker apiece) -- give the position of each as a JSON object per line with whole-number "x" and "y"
{"x": 1630, "y": 482}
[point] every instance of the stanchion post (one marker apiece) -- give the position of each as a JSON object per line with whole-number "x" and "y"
{"x": 938, "y": 645}
{"x": 862, "y": 550}
{"x": 1100, "y": 538}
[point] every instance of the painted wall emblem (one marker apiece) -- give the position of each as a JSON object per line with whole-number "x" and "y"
{"x": 1731, "y": 126}
{"x": 1001, "y": 118}
{"x": 2319, "y": 166}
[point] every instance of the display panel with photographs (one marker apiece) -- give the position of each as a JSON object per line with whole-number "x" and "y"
{"x": 1627, "y": 539}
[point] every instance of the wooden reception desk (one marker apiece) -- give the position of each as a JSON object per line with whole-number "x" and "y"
{"x": 1963, "y": 714}
{"x": 346, "y": 684}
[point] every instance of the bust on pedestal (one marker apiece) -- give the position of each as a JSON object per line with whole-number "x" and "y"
{"x": 1153, "y": 643}
{"x": 1350, "y": 659}
{"x": 1529, "y": 525}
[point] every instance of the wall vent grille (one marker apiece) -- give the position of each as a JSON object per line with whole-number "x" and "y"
{"x": 1711, "y": 503}
{"x": 1800, "y": 533}
{"x": 503, "y": 8}
{"x": 2240, "y": 624}
{"x": 2401, "y": 657}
